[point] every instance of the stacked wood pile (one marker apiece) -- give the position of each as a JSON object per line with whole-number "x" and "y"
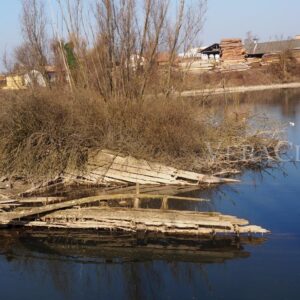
{"x": 296, "y": 55}
{"x": 274, "y": 58}
{"x": 233, "y": 55}
{"x": 197, "y": 66}
{"x": 232, "y": 49}
{"x": 232, "y": 66}
{"x": 271, "y": 58}
{"x": 254, "y": 62}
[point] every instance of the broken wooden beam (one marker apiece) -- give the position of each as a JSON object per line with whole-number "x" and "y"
{"x": 6, "y": 218}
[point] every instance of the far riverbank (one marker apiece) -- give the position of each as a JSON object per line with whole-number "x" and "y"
{"x": 239, "y": 89}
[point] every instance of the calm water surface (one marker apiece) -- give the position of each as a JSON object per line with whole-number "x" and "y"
{"x": 270, "y": 270}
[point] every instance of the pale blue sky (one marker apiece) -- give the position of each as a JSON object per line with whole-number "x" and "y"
{"x": 225, "y": 18}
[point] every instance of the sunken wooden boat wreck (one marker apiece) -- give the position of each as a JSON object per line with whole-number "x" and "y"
{"x": 95, "y": 213}
{"x": 126, "y": 183}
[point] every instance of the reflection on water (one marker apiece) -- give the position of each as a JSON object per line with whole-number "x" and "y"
{"x": 105, "y": 247}
{"x": 124, "y": 266}
{"x": 44, "y": 266}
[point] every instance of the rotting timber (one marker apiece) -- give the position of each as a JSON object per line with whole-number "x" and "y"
{"x": 125, "y": 184}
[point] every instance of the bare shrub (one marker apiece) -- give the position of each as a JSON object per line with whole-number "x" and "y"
{"x": 44, "y": 133}
{"x": 33, "y": 53}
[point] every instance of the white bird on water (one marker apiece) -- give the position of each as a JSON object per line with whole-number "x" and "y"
{"x": 292, "y": 124}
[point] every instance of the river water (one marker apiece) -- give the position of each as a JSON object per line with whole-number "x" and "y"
{"x": 269, "y": 269}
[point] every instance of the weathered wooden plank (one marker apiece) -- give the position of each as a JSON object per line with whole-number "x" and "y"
{"x": 171, "y": 222}
{"x": 104, "y": 156}
{"x": 8, "y": 201}
{"x": 100, "y": 178}
{"x": 137, "y": 178}
{"x": 40, "y": 201}
{"x": 227, "y": 173}
{"x": 139, "y": 170}
{"x": 149, "y": 189}
{"x": 202, "y": 178}
{"x": 141, "y": 167}
{"x": 56, "y": 183}
{"x": 134, "y": 217}
{"x": 118, "y": 174}
{"x": 9, "y": 206}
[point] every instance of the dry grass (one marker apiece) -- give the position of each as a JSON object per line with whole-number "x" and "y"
{"x": 45, "y": 132}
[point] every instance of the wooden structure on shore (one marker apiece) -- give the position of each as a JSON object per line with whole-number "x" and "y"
{"x": 124, "y": 185}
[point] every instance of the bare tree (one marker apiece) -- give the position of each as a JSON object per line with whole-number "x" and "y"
{"x": 115, "y": 43}
{"x": 34, "y": 50}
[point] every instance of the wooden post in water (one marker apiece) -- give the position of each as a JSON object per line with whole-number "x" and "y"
{"x": 136, "y": 203}
{"x": 164, "y": 203}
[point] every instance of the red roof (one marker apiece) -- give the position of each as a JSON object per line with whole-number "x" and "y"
{"x": 163, "y": 57}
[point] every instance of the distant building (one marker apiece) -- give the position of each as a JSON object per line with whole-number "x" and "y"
{"x": 192, "y": 53}
{"x": 14, "y": 82}
{"x": 274, "y": 47}
{"x": 34, "y": 78}
{"x": 211, "y": 52}
{"x": 136, "y": 61}
{"x": 24, "y": 79}
{"x": 52, "y": 73}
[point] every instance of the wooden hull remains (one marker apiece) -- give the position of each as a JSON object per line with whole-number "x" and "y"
{"x": 130, "y": 220}
{"x": 126, "y": 183}
{"x": 170, "y": 223}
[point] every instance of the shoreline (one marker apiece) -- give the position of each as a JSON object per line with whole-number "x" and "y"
{"x": 238, "y": 89}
